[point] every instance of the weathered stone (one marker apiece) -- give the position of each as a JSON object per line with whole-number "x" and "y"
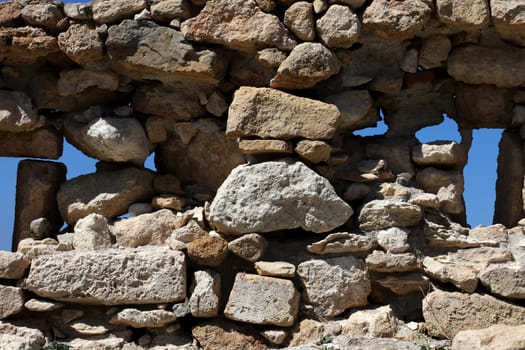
{"x": 507, "y": 17}
{"x": 250, "y": 200}
{"x": 275, "y": 269}
{"x": 265, "y": 147}
{"x": 467, "y": 16}
{"x": 78, "y": 11}
{"x": 448, "y": 313}
{"x": 17, "y": 113}
{"x": 313, "y": 151}
{"x": 26, "y": 45}
{"x": 250, "y": 247}
{"x": 205, "y": 294}
{"x": 434, "y": 51}
{"x": 31, "y": 248}
{"x": 266, "y": 5}
{"x": 505, "y": 280}
{"x": 188, "y": 233}
{"x": 451, "y": 199}
{"x": 263, "y": 300}
{"x": 12, "y": 265}
{"x": 425, "y": 200}
{"x": 217, "y": 104}
{"x": 81, "y": 44}
{"x": 37, "y": 185}
{"x": 108, "y": 193}
{"x": 501, "y": 337}
{"x": 167, "y": 10}
{"x": 311, "y": 331}
{"x": 29, "y": 338}
{"x": 404, "y": 283}
{"x": 275, "y": 336}
{"x": 110, "y": 277}
{"x": 451, "y": 236}
{"x": 96, "y": 344}
{"x": 139, "y": 208}
{"x": 40, "y": 305}
{"x": 270, "y": 113}
{"x": 339, "y": 27}
{"x": 112, "y": 11}
{"x": 305, "y": 66}
{"x": 381, "y": 214}
{"x": 138, "y": 50}
{"x": 141, "y": 319}
{"x": 439, "y": 153}
{"x": 12, "y": 301}
{"x": 225, "y": 337}
{"x": 168, "y": 201}
{"x": 342, "y": 243}
{"x": 490, "y": 67}
{"x": 148, "y": 229}
{"x": 393, "y": 240}
{"x": 239, "y": 25}
{"x": 75, "y": 81}
{"x": 432, "y": 179}
{"x": 398, "y": 19}
{"x": 10, "y": 13}
{"x": 208, "y": 251}
{"x": 379, "y": 322}
{"x": 461, "y": 275}
{"x": 42, "y": 15}
{"x": 395, "y": 151}
{"x": 334, "y": 285}
{"x": 355, "y": 107}
{"x": 92, "y": 233}
{"x": 379, "y": 261}
{"x": 299, "y": 18}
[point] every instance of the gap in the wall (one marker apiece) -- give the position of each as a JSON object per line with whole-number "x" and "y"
{"x": 380, "y": 129}
{"x": 448, "y": 130}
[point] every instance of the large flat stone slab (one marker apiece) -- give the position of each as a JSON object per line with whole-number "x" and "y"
{"x": 110, "y": 277}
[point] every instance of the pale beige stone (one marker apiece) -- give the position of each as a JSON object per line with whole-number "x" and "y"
{"x": 12, "y": 301}
{"x": 92, "y": 233}
{"x": 112, "y": 11}
{"x": 463, "y": 276}
{"x": 166, "y": 201}
{"x": 143, "y": 319}
{"x": 379, "y": 261}
{"x": 265, "y": 147}
{"x": 497, "y": 337}
{"x": 13, "y": 265}
{"x": 434, "y": 51}
{"x": 470, "y": 15}
{"x": 299, "y": 18}
{"x": 313, "y": 151}
{"x": 379, "y": 322}
{"x": 205, "y": 294}
{"x": 275, "y": 269}
{"x": 251, "y": 246}
{"x": 380, "y": 214}
{"x": 342, "y": 243}
{"x": 41, "y": 305}
{"x": 339, "y": 27}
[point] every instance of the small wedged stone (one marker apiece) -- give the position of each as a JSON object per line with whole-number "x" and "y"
{"x": 380, "y": 214}
{"x": 143, "y": 319}
{"x": 339, "y": 27}
{"x": 506, "y": 280}
{"x": 250, "y": 200}
{"x": 12, "y": 301}
{"x": 41, "y": 305}
{"x": 270, "y": 113}
{"x": 205, "y": 294}
{"x": 275, "y": 269}
{"x": 208, "y": 251}
{"x": 263, "y": 300}
{"x": 26, "y": 45}
{"x": 342, "y": 243}
{"x": 379, "y": 261}
{"x": 404, "y": 283}
{"x": 379, "y": 322}
{"x": 110, "y": 277}
{"x": 250, "y": 247}
{"x": 299, "y": 18}
{"x": 313, "y": 151}
{"x": 112, "y": 11}
{"x": 265, "y": 147}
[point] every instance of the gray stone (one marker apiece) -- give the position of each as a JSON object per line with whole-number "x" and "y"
{"x": 356, "y": 191}
{"x": 404, "y": 283}
{"x": 205, "y": 294}
{"x": 92, "y": 233}
{"x": 143, "y": 319}
{"x": 380, "y": 214}
{"x": 339, "y": 27}
{"x": 299, "y": 18}
{"x": 12, "y": 265}
{"x": 263, "y": 300}
{"x": 12, "y": 301}
{"x": 305, "y": 66}
{"x": 439, "y": 153}
{"x": 110, "y": 277}
{"x": 40, "y": 228}
{"x": 313, "y": 151}
{"x": 334, "y": 285}
{"x": 17, "y": 113}
{"x": 379, "y": 322}
{"x": 379, "y": 261}
{"x": 270, "y": 113}
{"x": 265, "y": 147}
{"x": 505, "y": 279}
{"x": 250, "y": 247}
{"x": 342, "y": 243}
{"x": 250, "y": 200}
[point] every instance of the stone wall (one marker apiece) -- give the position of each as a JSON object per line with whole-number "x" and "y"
{"x": 268, "y": 223}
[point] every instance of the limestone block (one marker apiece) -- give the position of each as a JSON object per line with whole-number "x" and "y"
{"x": 250, "y": 200}
{"x": 208, "y": 251}
{"x": 75, "y": 81}
{"x": 380, "y": 214}
{"x": 12, "y": 265}
{"x": 263, "y": 300}
{"x": 112, "y": 11}
{"x": 110, "y": 277}
{"x": 506, "y": 280}
{"x": 12, "y": 301}
{"x": 463, "y": 276}
{"x": 205, "y": 294}
{"x": 299, "y": 18}
{"x": 92, "y": 233}
{"x": 143, "y": 319}
{"x": 227, "y": 336}
{"x": 342, "y": 243}
{"x": 467, "y": 16}
{"x": 393, "y": 240}
{"x": 42, "y": 15}
{"x": 355, "y": 107}
{"x": 251, "y": 246}
{"x": 339, "y": 27}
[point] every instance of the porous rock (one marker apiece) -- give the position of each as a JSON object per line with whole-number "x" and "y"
{"x": 12, "y": 265}
{"x": 299, "y": 18}
{"x": 92, "y": 233}
{"x": 12, "y": 301}
{"x": 208, "y": 251}
{"x": 205, "y": 294}
{"x": 499, "y": 337}
{"x": 141, "y": 319}
{"x": 250, "y": 200}
{"x": 81, "y": 44}
{"x": 339, "y": 27}
{"x": 380, "y": 214}
{"x": 17, "y": 113}
{"x": 468, "y": 16}
{"x": 250, "y": 247}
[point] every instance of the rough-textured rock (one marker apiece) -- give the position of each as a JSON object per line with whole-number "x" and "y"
{"x": 439, "y": 153}
{"x": 110, "y": 277}
{"x": 490, "y": 67}
{"x": 342, "y": 243}
{"x": 148, "y": 229}
{"x": 250, "y": 247}
{"x": 78, "y": 11}
{"x": 141, "y": 319}
{"x": 250, "y": 200}
{"x": 167, "y": 10}
{"x": 507, "y": 17}
{"x": 42, "y": 15}
{"x": 37, "y": 186}
{"x": 112, "y": 11}
{"x": 299, "y": 18}
{"x": 305, "y": 66}
{"x": 396, "y": 19}
{"x": 339, "y": 27}
{"x": 404, "y": 283}
{"x": 12, "y": 301}
{"x": 168, "y": 201}
{"x": 108, "y": 193}
{"x": 81, "y": 44}
{"x": 10, "y": 13}
{"x": 96, "y": 344}
{"x": 505, "y": 280}
{"x": 379, "y": 322}
{"x": 379, "y": 261}
{"x": 30, "y": 336}
{"x": 263, "y": 300}
{"x": 467, "y": 16}
{"x": 12, "y": 265}
{"x": 41, "y": 305}
{"x": 225, "y": 337}
{"x": 205, "y": 294}
{"x": 500, "y": 337}
{"x": 239, "y": 25}
{"x": 381, "y": 214}
{"x": 334, "y": 285}
{"x": 75, "y": 81}
{"x": 313, "y": 151}
{"x": 434, "y": 52}
{"x": 26, "y": 45}
{"x": 265, "y": 147}
{"x": 442, "y": 269}
{"x": 275, "y": 269}
{"x": 92, "y": 233}
{"x": 393, "y": 240}
{"x": 17, "y": 113}
{"x": 355, "y": 107}
{"x": 270, "y": 113}
{"x": 208, "y": 251}
{"x": 448, "y": 313}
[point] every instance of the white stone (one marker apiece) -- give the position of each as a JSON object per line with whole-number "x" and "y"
{"x": 205, "y": 294}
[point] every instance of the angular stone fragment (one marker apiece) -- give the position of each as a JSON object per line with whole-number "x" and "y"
{"x": 339, "y": 27}
{"x": 25, "y": 45}
{"x": 92, "y": 233}
{"x": 439, "y": 153}
{"x": 167, "y": 10}
{"x": 110, "y": 277}
{"x": 41, "y": 305}
{"x": 270, "y": 113}
{"x": 393, "y": 240}
{"x": 12, "y": 301}
{"x": 112, "y": 11}
{"x": 396, "y": 20}
{"x": 42, "y": 15}
{"x": 78, "y": 11}
{"x": 299, "y": 18}
{"x": 448, "y": 313}
{"x": 205, "y": 294}
{"x": 10, "y": 13}
{"x": 143, "y": 319}
{"x": 305, "y": 66}
{"x": 461, "y": 275}
{"x": 239, "y": 25}
{"x": 17, "y": 113}
{"x": 507, "y": 17}
{"x": 470, "y": 15}
{"x": 108, "y": 193}
{"x": 506, "y": 280}
{"x": 265, "y": 146}
{"x": 148, "y": 229}
{"x": 404, "y": 283}
{"x": 355, "y": 107}
{"x": 395, "y": 151}
{"x": 432, "y": 179}
{"x": 263, "y": 300}
{"x": 31, "y": 336}
{"x": 250, "y": 247}
{"x": 167, "y": 201}
{"x": 379, "y": 322}
{"x": 208, "y": 251}
{"x": 490, "y": 67}
{"x": 501, "y": 337}
{"x": 313, "y": 151}
{"x": 81, "y": 44}
{"x": 12, "y": 265}
{"x": 225, "y": 337}
{"x": 342, "y": 243}
{"x": 99, "y": 344}
{"x": 250, "y": 200}
{"x": 434, "y": 51}
{"x": 75, "y": 81}
{"x": 334, "y": 285}
{"x": 381, "y": 214}
{"x": 37, "y": 185}
{"x": 379, "y": 261}
{"x": 275, "y": 269}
